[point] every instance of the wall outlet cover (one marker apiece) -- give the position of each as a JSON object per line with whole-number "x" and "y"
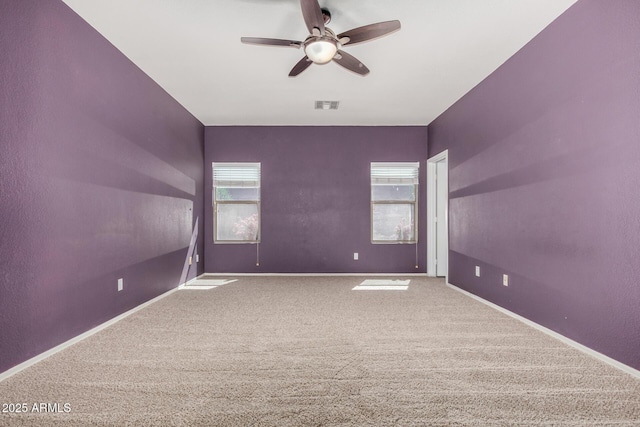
{"x": 505, "y": 280}
{"x": 477, "y": 271}
{"x": 120, "y": 284}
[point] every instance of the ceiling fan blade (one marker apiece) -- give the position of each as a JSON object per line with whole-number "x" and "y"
{"x": 351, "y": 63}
{"x": 368, "y": 32}
{"x": 302, "y": 65}
{"x": 312, "y": 15}
{"x": 270, "y": 42}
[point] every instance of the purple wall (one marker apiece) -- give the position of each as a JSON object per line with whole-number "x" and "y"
{"x": 315, "y": 198}
{"x": 101, "y": 178}
{"x": 545, "y": 175}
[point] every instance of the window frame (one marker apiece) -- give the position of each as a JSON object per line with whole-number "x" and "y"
{"x": 240, "y": 184}
{"x": 395, "y": 180}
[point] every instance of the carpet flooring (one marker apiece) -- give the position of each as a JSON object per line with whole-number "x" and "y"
{"x": 311, "y": 351}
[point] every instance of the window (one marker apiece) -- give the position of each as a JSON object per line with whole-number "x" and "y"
{"x": 394, "y": 194}
{"x": 236, "y": 202}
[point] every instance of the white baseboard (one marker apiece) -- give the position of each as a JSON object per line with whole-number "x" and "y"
{"x": 591, "y": 352}
{"x": 318, "y": 274}
{"x": 28, "y": 363}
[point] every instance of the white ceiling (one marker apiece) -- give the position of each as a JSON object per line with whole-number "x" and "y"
{"x": 192, "y": 49}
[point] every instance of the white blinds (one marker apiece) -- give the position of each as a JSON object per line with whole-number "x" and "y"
{"x": 236, "y": 175}
{"x": 390, "y": 173}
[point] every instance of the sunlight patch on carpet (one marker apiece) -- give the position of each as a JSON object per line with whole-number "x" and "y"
{"x": 382, "y": 285}
{"x": 206, "y": 284}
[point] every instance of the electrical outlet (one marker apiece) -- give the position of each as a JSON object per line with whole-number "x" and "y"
{"x": 355, "y": 256}
{"x": 190, "y": 260}
{"x": 477, "y": 271}
{"x": 505, "y": 280}
{"x": 120, "y": 284}
{"x": 197, "y": 258}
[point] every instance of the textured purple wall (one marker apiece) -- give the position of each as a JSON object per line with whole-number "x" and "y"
{"x": 315, "y": 198}
{"x": 544, "y": 177}
{"x": 101, "y": 178}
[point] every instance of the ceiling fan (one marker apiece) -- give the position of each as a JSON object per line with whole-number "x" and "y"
{"x": 322, "y": 45}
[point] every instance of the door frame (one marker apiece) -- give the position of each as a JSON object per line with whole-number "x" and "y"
{"x": 431, "y": 211}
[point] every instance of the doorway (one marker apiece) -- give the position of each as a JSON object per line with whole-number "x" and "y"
{"x": 438, "y": 215}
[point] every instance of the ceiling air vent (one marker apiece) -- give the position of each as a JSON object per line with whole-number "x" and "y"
{"x": 327, "y": 105}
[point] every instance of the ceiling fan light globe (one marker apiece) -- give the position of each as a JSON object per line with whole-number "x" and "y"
{"x": 321, "y": 51}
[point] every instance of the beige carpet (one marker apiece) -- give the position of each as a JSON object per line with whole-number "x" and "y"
{"x": 297, "y": 351}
